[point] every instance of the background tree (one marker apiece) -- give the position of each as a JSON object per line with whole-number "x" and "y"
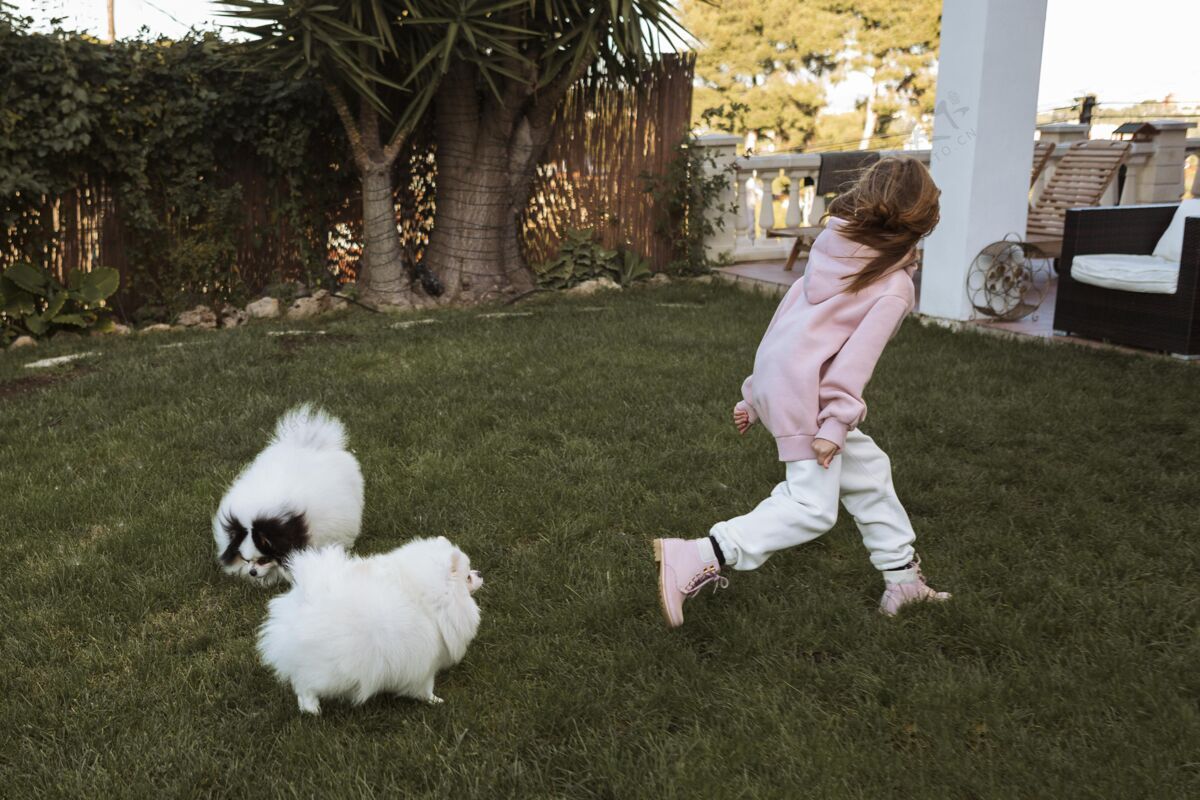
{"x": 483, "y": 78}
{"x": 777, "y": 57}
{"x": 896, "y": 45}
{"x": 768, "y": 55}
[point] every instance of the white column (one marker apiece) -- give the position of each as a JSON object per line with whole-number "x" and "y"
{"x": 721, "y": 152}
{"x": 982, "y": 151}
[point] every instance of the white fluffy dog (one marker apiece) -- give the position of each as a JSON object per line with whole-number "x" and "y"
{"x": 304, "y": 490}
{"x": 354, "y": 627}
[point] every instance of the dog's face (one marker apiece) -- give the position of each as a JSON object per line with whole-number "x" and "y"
{"x": 458, "y": 615}
{"x": 460, "y": 569}
{"x": 257, "y": 553}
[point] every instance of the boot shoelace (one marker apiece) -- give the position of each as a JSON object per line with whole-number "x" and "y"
{"x": 704, "y": 578}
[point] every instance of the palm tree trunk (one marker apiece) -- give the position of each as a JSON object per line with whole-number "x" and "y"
{"x": 382, "y": 277}
{"x": 383, "y": 281}
{"x": 474, "y": 246}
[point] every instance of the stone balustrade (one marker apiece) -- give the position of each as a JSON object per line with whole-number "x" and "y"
{"x": 758, "y": 181}
{"x": 787, "y": 178}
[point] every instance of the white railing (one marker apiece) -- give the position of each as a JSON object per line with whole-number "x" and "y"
{"x": 788, "y": 181}
{"x": 755, "y": 178}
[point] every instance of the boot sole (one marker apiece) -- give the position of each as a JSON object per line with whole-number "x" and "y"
{"x": 940, "y": 597}
{"x": 662, "y": 600}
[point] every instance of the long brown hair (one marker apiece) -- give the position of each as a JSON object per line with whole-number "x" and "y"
{"x": 891, "y": 207}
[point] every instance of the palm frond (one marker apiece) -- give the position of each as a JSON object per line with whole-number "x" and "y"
{"x": 370, "y": 46}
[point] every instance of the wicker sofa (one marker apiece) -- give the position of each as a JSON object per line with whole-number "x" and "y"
{"x": 1166, "y": 322}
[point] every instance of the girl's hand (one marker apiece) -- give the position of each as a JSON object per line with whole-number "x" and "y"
{"x": 825, "y": 451}
{"x": 741, "y": 419}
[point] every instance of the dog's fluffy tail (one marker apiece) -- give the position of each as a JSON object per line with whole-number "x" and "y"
{"x": 306, "y": 426}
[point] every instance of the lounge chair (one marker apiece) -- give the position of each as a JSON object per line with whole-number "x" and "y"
{"x": 1079, "y": 180}
{"x": 1041, "y": 157}
{"x": 1131, "y": 275}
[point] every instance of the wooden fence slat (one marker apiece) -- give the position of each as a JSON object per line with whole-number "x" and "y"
{"x": 609, "y": 138}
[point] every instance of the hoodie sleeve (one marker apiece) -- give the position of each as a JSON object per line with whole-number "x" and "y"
{"x": 747, "y": 402}
{"x": 843, "y": 382}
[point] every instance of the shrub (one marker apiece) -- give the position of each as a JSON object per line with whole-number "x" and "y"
{"x": 581, "y": 257}
{"x": 196, "y": 177}
{"x": 34, "y": 303}
{"x": 688, "y": 197}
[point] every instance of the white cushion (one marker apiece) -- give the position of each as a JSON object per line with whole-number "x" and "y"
{"x": 1128, "y": 273}
{"x": 1170, "y": 245}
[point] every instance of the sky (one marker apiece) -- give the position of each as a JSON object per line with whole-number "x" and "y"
{"x": 1119, "y": 51}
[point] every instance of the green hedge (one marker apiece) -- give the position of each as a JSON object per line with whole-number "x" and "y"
{"x": 169, "y": 160}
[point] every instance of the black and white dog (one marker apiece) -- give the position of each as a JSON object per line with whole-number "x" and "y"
{"x": 304, "y": 490}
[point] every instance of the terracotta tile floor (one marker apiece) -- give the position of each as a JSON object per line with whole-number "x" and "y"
{"x": 770, "y": 276}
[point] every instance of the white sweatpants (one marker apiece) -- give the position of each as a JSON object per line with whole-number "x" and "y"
{"x": 805, "y": 505}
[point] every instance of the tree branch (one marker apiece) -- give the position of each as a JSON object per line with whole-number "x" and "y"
{"x": 347, "y": 118}
{"x": 533, "y": 129}
{"x": 368, "y": 121}
{"x": 399, "y": 138}
{"x": 392, "y": 149}
{"x": 507, "y": 110}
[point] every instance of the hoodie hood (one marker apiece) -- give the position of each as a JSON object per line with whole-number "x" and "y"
{"x": 832, "y": 262}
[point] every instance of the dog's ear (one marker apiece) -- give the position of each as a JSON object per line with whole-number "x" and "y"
{"x": 456, "y": 557}
{"x": 261, "y": 540}
{"x": 279, "y": 535}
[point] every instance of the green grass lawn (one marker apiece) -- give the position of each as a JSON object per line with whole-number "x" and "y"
{"x": 1054, "y": 491}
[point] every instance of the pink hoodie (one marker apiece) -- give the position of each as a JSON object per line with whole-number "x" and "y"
{"x": 821, "y": 347}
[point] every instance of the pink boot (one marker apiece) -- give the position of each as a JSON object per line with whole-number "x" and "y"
{"x": 685, "y": 566}
{"x": 906, "y": 586}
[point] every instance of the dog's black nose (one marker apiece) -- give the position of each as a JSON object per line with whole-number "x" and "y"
{"x": 253, "y": 573}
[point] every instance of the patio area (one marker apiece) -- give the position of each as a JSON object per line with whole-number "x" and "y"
{"x": 1003, "y": 177}
{"x": 770, "y": 278}
{"x": 762, "y": 219}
